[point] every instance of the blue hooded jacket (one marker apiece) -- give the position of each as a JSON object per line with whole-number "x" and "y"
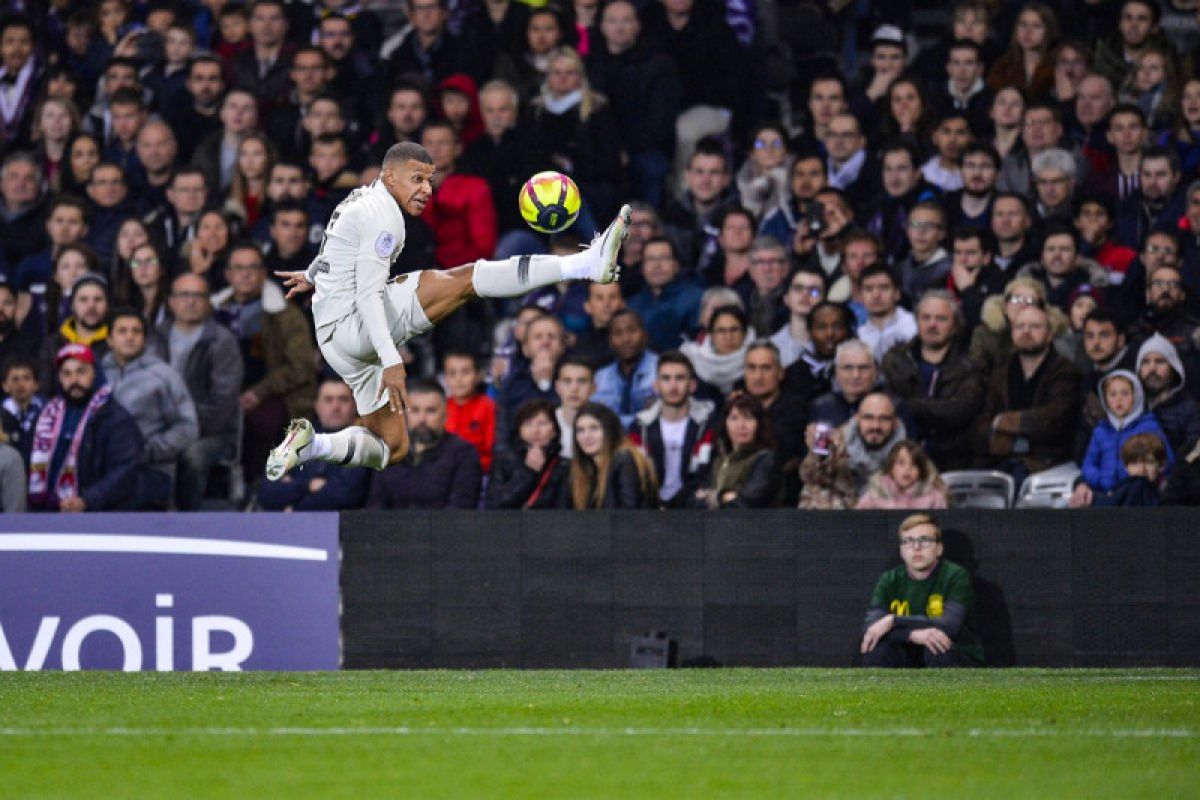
{"x": 1102, "y": 467}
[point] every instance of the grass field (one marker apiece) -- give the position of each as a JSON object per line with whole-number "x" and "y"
{"x": 665, "y": 734}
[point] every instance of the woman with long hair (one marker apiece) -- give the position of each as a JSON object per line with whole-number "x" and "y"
{"x": 1027, "y": 64}
{"x": 720, "y": 359}
{"x": 1008, "y": 110}
{"x": 1153, "y": 86}
{"x": 908, "y": 479}
{"x": 132, "y": 233}
{"x": 48, "y": 310}
{"x": 907, "y": 113}
{"x": 1185, "y": 135}
{"x": 577, "y": 129}
{"x": 55, "y": 122}
{"x": 545, "y": 31}
{"x": 532, "y": 473}
{"x": 205, "y": 254}
{"x": 608, "y": 470}
{"x": 1072, "y": 60}
{"x": 745, "y": 474}
{"x": 146, "y": 285}
{"x": 83, "y": 154}
{"x": 255, "y": 157}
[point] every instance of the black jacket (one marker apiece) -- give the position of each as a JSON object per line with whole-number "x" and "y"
{"x": 624, "y": 487}
{"x": 759, "y": 488}
{"x": 644, "y": 89}
{"x": 512, "y": 484}
{"x": 944, "y": 420}
{"x": 446, "y": 476}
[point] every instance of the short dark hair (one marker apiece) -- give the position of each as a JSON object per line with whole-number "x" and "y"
{"x": 573, "y": 361}
{"x": 1104, "y": 316}
{"x": 848, "y": 318}
{"x": 5, "y": 286}
{"x": 1155, "y": 10}
{"x": 126, "y": 312}
{"x": 966, "y": 44}
{"x": 67, "y": 201}
{"x": 1061, "y": 229}
{"x": 184, "y": 170}
{"x": 426, "y": 386}
{"x": 530, "y": 409}
{"x": 875, "y": 270}
{"x": 126, "y": 96}
{"x": 1158, "y": 151}
{"x": 737, "y": 312}
{"x": 900, "y": 146}
{"x": 18, "y": 362}
{"x": 979, "y": 147}
{"x": 246, "y": 244}
{"x": 987, "y": 241}
{"x": 459, "y": 353}
{"x": 662, "y": 240}
{"x": 18, "y": 20}
{"x": 746, "y": 403}
{"x": 1128, "y": 108}
{"x": 289, "y": 207}
{"x": 620, "y": 313}
{"x": 709, "y": 146}
{"x": 121, "y": 61}
{"x": 1105, "y": 201}
{"x": 1046, "y": 105}
{"x": 678, "y": 358}
{"x": 206, "y": 58}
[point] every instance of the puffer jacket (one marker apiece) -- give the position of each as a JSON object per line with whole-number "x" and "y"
{"x": 883, "y": 493}
{"x": 159, "y": 402}
{"x": 991, "y": 341}
{"x": 1102, "y": 467}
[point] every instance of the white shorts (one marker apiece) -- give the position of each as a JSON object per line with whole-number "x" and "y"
{"x": 347, "y": 347}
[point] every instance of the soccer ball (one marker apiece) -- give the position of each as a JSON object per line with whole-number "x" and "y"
{"x": 549, "y": 202}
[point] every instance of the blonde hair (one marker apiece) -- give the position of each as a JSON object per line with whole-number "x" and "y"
{"x": 915, "y": 520}
{"x": 590, "y": 101}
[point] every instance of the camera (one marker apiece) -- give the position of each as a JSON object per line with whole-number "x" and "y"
{"x": 814, "y": 219}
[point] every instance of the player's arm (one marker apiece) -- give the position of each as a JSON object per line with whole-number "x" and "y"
{"x": 371, "y": 267}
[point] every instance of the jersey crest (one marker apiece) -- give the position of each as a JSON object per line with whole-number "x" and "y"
{"x": 384, "y": 244}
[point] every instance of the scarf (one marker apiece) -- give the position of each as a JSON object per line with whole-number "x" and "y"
{"x": 561, "y": 105}
{"x": 846, "y": 174}
{"x": 45, "y": 439}
{"x": 69, "y": 332}
{"x": 722, "y": 371}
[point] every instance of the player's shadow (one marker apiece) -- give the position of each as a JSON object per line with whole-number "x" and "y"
{"x": 995, "y": 623}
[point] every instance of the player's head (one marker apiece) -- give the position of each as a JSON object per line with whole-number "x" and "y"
{"x": 408, "y": 176}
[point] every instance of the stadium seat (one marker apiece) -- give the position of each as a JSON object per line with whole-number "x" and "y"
{"x": 979, "y": 488}
{"x": 1050, "y": 488}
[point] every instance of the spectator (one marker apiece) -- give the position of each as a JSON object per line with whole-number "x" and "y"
{"x": 574, "y": 383}
{"x": 1144, "y": 459}
{"x": 961, "y": 87}
{"x": 1042, "y": 129}
{"x": 1027, "y": 65}
{"x": 850, "y": 167}
{"x": 350, "y": 40}
{"x": 460, "y": 212}
{"x": 288, "y": 248}
{"x": 277, "y": 353}
{"x": 1062, "y": 270}
{"x": 66, "y": 223}
{"x": 159, "y": 401}
{"x": 805, "y": 289}
{"x": 1054, "y": 183}
{"x": 1104, "y": 350}
{"x": 207, "y": 253}
{"x": 903, "y": 189}
{"x": 829, "y": 324}
{"x": 262, "y": 70}
{"x": 974, "y": 277}
{"x": 20, "y": 69}
{"x": 855, "y": 375}
{"x": 1166, "y": 314}
{"x": 608, "y": 470}
{"x": 502, "y": 156}
{"x": 927, "y": 263}
{"x": 626, "y": 385}
{"x": 603, "y": 301}
{"x": 972, "y": 205}
{"x": 470, "y": 414}
{"x": 835, "y": 473}
{"x": 310, "y": 72}
{"x": 532, "y": 375}
{"x": 950, "y": 140}
{"x": 13, "y": 343}
{"x": 405, "y": 115}
{"x": 87, "y": 325}
{"x": 426, "y": 47}
{"x": 146, "y": 285}
{"x": 745, "y": 474}
{"x": 807, "y": 178}
{"x": 156, "y": 152}
{"x": 992, "y": 341}
{"x": 859, "y": 251}
{"x": 887, "y": 323}
{"x": 200, "y": 117}
{"x": 207, "y": 358}
{"x": 318, "y": 485}
{"x": 820, "y": 241}
{"x": 533, "y": 471}
{"x": 1007, "y": 112}
{"x": 440, "y": 471}
{"x": 908, "y": 480}
{"x": 1138, "y": 26}
{"x": 644, "y": 88}
{"x": 669, "y": 306}
{"x": 216, "y": 154}
{"x": 730, "y": 266}
{"x": 720, "y": 359}
{"x": 1094, "y": 219}
{"x": 175, "y": 223}
{"x": 85, "y": 449}
{"x": 13, "y": 483}
{"x": 768, "y": 275}
{"x": 1162, "y": 377}
{"x": 895, "y": 634}
{"x": 1127, "y": 136}
{"x": 1094, "y": 102}
{"x": 21, "y": 401}
{"x": 676, "y": 431}
{"x": 941, "y": 386}
{"x": 1184, "y": 486}
{"x": 707, "y": 193}
{"x": 1011, "y": 224}
{"x": 1031, "y": 405}
{"x": 1125, "y": 416}
{"x": 22, "y": 207}
{"x": 1157, "y": 202}
{"x": 764, "y": 382}
{"x": 762, "y": 180}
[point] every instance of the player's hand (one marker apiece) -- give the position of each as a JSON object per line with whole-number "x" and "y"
{"x": 875, "y": 632}
{"x": 394, "y": 378}
{"x": 295, "y": 282}
{"x": 933, "y": 639}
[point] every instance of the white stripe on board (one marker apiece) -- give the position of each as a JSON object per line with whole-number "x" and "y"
{"x": 404, "y": 730}
{"x": 155, "y": 545}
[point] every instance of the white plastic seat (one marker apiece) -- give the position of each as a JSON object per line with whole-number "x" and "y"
{"x": 979, "y": 488}
{"x": 1050, "y": 488}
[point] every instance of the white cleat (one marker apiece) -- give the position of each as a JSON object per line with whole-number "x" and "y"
{"x": 609, "y": 244}
{"x": 285, "y": 457}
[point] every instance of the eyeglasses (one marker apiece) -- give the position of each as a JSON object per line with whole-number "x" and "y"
{"x": 1164, "y": 283}
{"x": 1017, "y": 300}
{"x": 918, "y": 542}
{"x": 772, "y": 144}
{"x": 811, "y": 291}
{"x": 767, "y": 262}
{"x": 143, "y": 262}
{"x": 1163, "y": 250}
{"x": 922, "y": 225}
{"x": 1060, "y": 181}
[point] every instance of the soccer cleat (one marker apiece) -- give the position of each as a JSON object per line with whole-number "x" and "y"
{"x": 283, "y": 458}
{"x": 609, "y": 244}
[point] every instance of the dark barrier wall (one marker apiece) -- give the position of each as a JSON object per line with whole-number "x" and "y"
{"x": 767, "y": 588}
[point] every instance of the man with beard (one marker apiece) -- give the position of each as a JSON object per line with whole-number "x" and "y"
{"x": 922, "y": 612}
{"x": 807, "y": 179}
{"x": 675, "y": 431}
{"x": 1106, "y": 350}
{"x": 441, "y": 470}
{"x": 85, "y": 450}
{"x": 159, "y": 401}
{"x": 1157, "y": 203}
{"x": 939, "y": 382}
{"x": 354, "y": 79}
{"x": 1166, "y": 314}
{"x": 1162, "y": 376}
{"x": 406, "y": 112}
{"x": 205, "y": 84}
{"x": 829, "y": 324}
{"x": 972, "y": 205}
{"x": 1061, "y": 268}
{"x": 319, "y": 485}
{"x": 974, "y": 277}
{"x": 1031, "y": 406}
{"x": 834, "y": 478}
{"x": 86, "y": 325}
{"x": 1137, "y": 27}
{"x": 1011, "y": 224}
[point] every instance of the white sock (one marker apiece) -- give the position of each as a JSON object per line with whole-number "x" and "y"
{"x": 351, "y": 447}
{"x": 520, "y": 275}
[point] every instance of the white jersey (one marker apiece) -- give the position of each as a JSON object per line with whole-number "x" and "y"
{"x": 364, "y": 235}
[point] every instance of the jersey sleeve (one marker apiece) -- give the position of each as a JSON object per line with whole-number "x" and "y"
{"x": 371, "y": 268}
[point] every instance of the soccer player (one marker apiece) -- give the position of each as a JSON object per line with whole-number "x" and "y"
{"x": 361, "y": 316}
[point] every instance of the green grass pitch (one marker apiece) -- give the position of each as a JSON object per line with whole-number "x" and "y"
{"x": 665, "y": 734}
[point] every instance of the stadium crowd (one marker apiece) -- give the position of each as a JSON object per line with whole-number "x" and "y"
{"x": 858, "y": 258}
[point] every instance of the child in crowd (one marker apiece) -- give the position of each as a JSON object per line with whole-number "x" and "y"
{"x": 908, "y": 480}
{"x": 22, "y": 403}
{"x": 470, "y": 413}
{"x": 1144, "y": 457}
{"x": 1124, "y": 405}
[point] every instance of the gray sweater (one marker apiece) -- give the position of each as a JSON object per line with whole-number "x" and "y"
{"x": 157, "y": 399}
{"x": 12, "y": 480}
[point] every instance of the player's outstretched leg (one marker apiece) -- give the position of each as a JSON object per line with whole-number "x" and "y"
{"x": 354, "y": 446}
{"x": 521, "y": 274}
